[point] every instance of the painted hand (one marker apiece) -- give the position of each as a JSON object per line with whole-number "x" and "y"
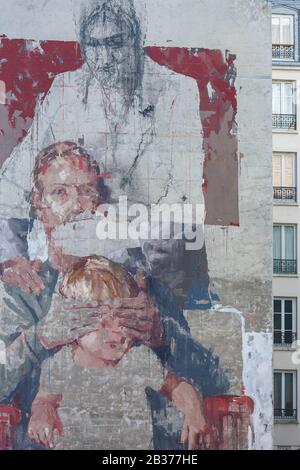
{"x": 190, "y": 403}
{"x": 44, "y": 423}
{"x": 139, "y": 317}
{"x": 22, "y": 273}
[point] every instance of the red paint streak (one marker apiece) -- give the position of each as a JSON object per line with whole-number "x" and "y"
{"x": 44, "y": 168}
{"x": 205, "y": 185}
{"x": 228, "y": 414}
{"x": 28, "y": 69}
{"x": 9, "y": 418}
{"x": 81, "y": 162}
{"x": 105, "y": 176}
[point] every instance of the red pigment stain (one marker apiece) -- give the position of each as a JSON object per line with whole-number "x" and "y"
{"x": 44, "y": 168}
{"x": 9, "y": 418}
{"x": 28, "y": 69}
{"x": 234, "y": 410}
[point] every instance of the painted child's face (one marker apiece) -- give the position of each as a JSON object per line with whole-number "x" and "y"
{"x": 69, "y": 188}
{"x": 104, "y": 347}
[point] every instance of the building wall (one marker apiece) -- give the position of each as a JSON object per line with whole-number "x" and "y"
{"x": 225, "y": 293}
{"x": 288, "y": 433}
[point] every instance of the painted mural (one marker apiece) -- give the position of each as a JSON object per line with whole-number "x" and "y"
{"x": 116, "y": 156}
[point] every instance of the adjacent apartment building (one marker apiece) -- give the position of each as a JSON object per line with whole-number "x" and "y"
{"x": 286, "y": 178}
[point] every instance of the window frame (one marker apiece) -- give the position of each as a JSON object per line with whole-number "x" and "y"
{"x": 282, "y": 169}
{"x": 294, "y": 314}
{"x": 294, "y": 94}
{"x": 282, "y": 245}
{"x": 283, "y": 404}
{"x": 282, "y": 16}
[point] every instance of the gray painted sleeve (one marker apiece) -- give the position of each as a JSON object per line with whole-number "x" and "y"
{"x": 18, "y": 360}
{"x": 13, "y": 238}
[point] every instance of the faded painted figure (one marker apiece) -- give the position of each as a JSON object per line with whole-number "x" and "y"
{"x": 138, "y": 120}
{"x": 103, "y": 394}
{"x": 66, "y": 183}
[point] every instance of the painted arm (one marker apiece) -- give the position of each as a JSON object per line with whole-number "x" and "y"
{"x": 189, "y": 401}
{"x": 44, "y": 418}
{"x": 18, "y": 360}
{"x": 182, "y": 355}
{"x": 15, "y": 267}
{"x": 45, "y": 421}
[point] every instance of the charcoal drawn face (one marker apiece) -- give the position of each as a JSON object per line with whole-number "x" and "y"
{"x": 110, "y": 43}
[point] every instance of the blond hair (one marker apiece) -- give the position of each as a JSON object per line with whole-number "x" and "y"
{"x": 97, "y": 279}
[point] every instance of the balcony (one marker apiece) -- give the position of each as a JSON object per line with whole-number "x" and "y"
{"x": 284, "y": 121}
{"x": 284, "y": 339}
{"x": 285, "y": 414}
{"x": 284, "y": 194}
{"x": 283, "y": 51}
{"x": 285, "y": 266}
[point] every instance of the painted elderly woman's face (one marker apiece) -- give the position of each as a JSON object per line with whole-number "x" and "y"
{"x": 109, "y": 46}
{"x": 70, "y": 187}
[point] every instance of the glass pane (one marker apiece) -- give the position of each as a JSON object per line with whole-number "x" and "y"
{"x": 276, "y": 101}
{"x": 286, "y": 30}
{"x": 277, "y": 393}
{"x": 277, "y": 242}
{"x": 288, "y": 171}
{"x": 277, "y": 305}
{"x": 288, "y": 306}
{"x": 289, "y": 243}
{"x": 277, "y": 337}
{"x": 288, "y": 322}
{"x": 277, "y": 170}
{"x": 287, "y": 98}
{"x": 289, "y": 392}
{"x": 275, "y": 30}
{"x": 277, "y": 321}
{"x": 288, "y": 337}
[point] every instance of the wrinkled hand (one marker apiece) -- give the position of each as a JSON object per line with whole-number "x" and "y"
{"x": 190, "y": 403}
{"x": 22, "y": 273}
{"x": 139, "y": 317}
{"x": 44, "y": 422}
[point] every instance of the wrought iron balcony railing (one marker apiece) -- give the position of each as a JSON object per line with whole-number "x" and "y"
{"x": 284, "y": 338}
{"x": 285, "y": 266}
{"x": 283, "y": 51}
{"x": 284, "y": 194}
{"x": 284, "y": 121}
{"x": 287, "y": 414}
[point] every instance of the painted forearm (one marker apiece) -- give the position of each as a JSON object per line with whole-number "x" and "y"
{"x": 170, "y": 384}
{"x": 44, "y": 398}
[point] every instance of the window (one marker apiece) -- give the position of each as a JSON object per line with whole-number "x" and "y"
{"x": 285, "y": 405}
{"x": 283, "y": 29}
{"x": 284, "y": 109}
{"x": 284, "y": 249}
{"x": 284, "y": 177}
{"x": 283, "y": 37}
{"x": 285, "y": 321}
